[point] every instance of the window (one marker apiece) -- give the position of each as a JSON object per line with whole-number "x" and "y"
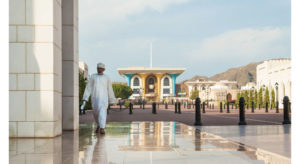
{"x": 151, "y": 81}
{"x": 151, "y": 85}
{"x": 166, "y": 91}
{"x": 136, "y": 82}
{"x": 136, "y": 91}
{"x": 166, "y": 81}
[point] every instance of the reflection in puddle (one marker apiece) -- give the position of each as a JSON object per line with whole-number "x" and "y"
{"x": 139, "y": 142}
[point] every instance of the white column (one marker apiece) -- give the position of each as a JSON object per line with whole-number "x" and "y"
{"x": 34, "y": 68}
{"x": 70, "y": 104}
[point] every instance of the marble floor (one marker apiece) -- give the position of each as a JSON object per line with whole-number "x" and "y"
{"x": 138, "y": 142}
{"x": 275, "y": 138}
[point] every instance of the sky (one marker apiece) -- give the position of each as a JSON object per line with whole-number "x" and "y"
{"x": 204, "y": 36}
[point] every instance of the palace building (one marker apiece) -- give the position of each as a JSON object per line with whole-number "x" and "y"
{"x": 213, "y": 91}
{"x": 275, "y": 75}
{"x": 152, "y": 84}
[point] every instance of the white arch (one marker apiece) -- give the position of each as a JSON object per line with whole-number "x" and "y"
{"x": 132, "y": 80}
{"x": 162, "y": 87}
{"x": 135, "y": 87}
{"x": 288, "y": 89}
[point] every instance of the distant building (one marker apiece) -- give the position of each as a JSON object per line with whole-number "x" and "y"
{"x": 152, "y": 84}
{"x": 249, "y": 86}
{"x": 272, "y": 72}
{"x": 213, "y": 91}
{"x": 83, "y": 68}
{"x": 182, "y": 90}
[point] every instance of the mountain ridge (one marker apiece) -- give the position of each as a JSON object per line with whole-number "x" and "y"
{"x": 242, "y": 74}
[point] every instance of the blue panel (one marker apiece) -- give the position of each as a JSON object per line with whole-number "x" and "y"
{"x": 128, "y": 77}
{"x": 174, "y": 75}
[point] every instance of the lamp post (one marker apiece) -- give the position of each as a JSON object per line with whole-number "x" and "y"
{"x": 207, "y": 92}
{"x": 277, "y": 103}
{"x": 141, "y": 96}
{"x": 253, "y": 96}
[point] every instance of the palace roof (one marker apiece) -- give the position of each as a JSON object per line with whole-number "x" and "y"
{"x": 135, "y": 70}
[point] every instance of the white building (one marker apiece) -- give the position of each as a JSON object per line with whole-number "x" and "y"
{"x": 248, "y": 86}
{"x": 275, "y": 71}
{"x": 83, "y": 68}
{"x": 214, "y": 91}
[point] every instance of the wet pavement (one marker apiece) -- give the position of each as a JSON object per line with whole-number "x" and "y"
{"x": 187, "y": 116}
{"x": 274, "y": 138}
{"x": 138, "y": 142}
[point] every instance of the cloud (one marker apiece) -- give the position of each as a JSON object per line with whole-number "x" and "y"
{"x": 244, "y": 44}
{"x": 112, "y": 10}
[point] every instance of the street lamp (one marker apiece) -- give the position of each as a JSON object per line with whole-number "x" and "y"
{"x": 207, "y": 90}
{"x": 253, "y": 96}
{"x": 277, "y": 103}
{"x": 141, "y": 94}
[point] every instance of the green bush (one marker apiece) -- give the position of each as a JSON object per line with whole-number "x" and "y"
{"x": 194, "y": 95}
{"x": 238, "y": 96}
{"x": 255, "y": 98}
{"x": 127, "y": 104}
{"x": 260, "y": 96}
{"x": 273, "y": 98}
{"x": 122, "y": 91}
{"x": 82, "y": 85}
{"x": 267, "y": 97}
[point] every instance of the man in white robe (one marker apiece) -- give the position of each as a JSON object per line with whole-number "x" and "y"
{"x": 100, "y": 88}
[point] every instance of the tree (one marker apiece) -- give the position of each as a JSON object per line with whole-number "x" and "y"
{"x": 194, "y": 95}
{"x": 250, "y": 97}
{"x": 82, "y": 85}
{"x": 273, "y": 98}
{"x": 255, "y": 98}
{"x": 238, "y": 98}
{"x": 260, "y": 96}
{"x": 122, "y": 91}
{"x": 246, "y": 97}
{"x": 267, "y": 97}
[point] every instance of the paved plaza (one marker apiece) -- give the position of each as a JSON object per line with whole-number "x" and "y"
{"x": 212, "y": 117}
{"x": 139, "y": 142}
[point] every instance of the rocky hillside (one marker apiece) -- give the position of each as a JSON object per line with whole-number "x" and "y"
{"x": 241, "y": 74}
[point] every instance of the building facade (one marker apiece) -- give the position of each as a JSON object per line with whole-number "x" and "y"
{"x": 213, "y": 91}
{"x": 152, "y": 84}
{"x": 182, "y": 90}
{"x": 272, "y": 73}
{"x": 249, "y": 86}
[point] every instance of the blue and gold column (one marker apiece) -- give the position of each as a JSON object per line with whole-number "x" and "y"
{"x": 128, "y": 77}
{"x": 173, "y": 75}
{"x": 143, "y": 76}
{"x": 158, "y": 76}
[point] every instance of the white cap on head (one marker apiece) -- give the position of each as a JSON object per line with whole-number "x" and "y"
{"x": 100, "y": 65}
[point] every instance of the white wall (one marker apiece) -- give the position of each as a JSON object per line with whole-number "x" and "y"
{"x": 35, "y": 68}
{"x": 136, "y": 87}
{"x": 70, "y": 93}
{"x": 272, "y": 71}
{"x": 162, "y": 87}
